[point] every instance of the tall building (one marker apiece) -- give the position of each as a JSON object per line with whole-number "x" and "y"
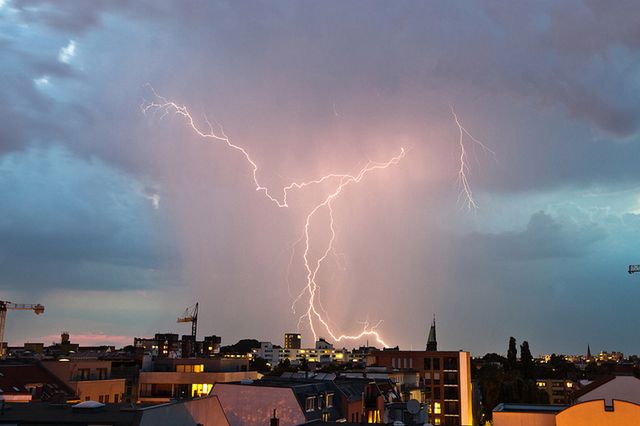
{"x": 168, "y": 344}
{"x": 444, "y": 381}
{"x": 292, "y": 341}
{"x": 432, "y": 344}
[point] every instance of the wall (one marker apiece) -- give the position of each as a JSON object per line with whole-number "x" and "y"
{"x": 593, "y": 413}
{"x": 96, "y": 390}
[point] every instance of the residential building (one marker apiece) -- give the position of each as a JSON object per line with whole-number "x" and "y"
{"x": 300, "y": 398}
{"x": 90, "y": 379}
{"x": 292, "y": 341}
{"x": 322, "y": 353}
{"x": 588, "y": 413}
{"x": 559, "y": 391}
{"x": 610, "y": 356}
{"x": 201, "y": 411}
{"x": 608, "y": 388}
{"x": 34, "y": 379}
{"x": 183, "y": 378}
{"x": 444, "y": 379}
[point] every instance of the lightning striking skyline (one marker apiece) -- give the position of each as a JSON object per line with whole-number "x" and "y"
{"x": 312, "y": 264}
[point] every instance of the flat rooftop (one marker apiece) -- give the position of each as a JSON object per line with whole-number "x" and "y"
{"x": 528, "y": 408}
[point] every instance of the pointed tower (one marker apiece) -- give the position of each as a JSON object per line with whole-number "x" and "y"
{"x": 432, "y": 344}
{"x": 588, "y": 352}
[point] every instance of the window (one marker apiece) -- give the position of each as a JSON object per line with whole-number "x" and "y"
{"x": 115, "y": 398}
{"x": 102, "y": 373}
{"x": 329, "y": 402}
{"x": 106, "y": 398}
{"x": 101, "y": 398}
{"x": 436, "y": 421}
{"x": 84, "y": 373}
{"x": 200, "y": 389}
{"x": 310, "y": 404}
{"x": 451, "y": 392}
{"x": 436, "y": 392}
{"x": 450, "y": 378}
{"x": 437, "y": 408}
{"x": 427, "y": 363}
{"x": 451, "y": 407}
{"x": 86, "y": 398}
{"x": 451, "y": 363}
{"x": 436, "y": 363}
{"x": 190, "y": 368}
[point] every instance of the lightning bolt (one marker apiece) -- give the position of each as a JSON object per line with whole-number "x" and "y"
{"x": 315, "y": 315}
{"x": 463, "y": 181}
{"x": 312, "y": 264}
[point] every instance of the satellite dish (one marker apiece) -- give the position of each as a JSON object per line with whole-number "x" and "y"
{"x": 413, "y": 406}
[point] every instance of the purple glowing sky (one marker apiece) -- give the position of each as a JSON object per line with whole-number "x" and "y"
{"x": 117, "y": 221}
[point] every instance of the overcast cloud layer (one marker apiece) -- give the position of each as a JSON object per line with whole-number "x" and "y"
{"x": 117, "y": 220}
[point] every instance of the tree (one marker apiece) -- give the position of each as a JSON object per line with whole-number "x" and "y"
{"x": 283, "y": 366}
{"x": 260, "y": 365}
{"x": 526, "y": 359}
{"x": 304, "y": 365}
{"x": 512, "y": 354}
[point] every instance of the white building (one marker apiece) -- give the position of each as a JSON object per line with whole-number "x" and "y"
{"x": 323, "y": 353}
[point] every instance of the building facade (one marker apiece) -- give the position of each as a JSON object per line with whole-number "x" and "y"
{"x": 443, "y": 381}
{"x": 292, "y": 341}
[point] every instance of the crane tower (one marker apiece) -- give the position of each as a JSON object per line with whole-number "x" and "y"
{"x": 6, "y": 306}
{"x": 191, "y": 315}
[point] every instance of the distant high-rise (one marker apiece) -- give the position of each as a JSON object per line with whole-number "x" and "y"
{"x": 432, "y": 344}
{"x": 292, "y": 341}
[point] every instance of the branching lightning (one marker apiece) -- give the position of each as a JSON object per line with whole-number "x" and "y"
{"x": 315, "y": 315}
{"x": 463, "y": 180}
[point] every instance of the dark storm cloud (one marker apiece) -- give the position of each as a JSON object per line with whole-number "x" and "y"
{"x": 551, "y": 86}
{"x": 61, "y": 213}
{"x": 545, "y": 237}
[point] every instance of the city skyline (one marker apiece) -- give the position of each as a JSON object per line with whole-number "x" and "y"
{"x": 117, "y": 220}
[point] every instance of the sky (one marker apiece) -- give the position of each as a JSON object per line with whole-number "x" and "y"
{"x": 117, "y": 220}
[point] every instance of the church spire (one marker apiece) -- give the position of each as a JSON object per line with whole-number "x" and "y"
{"x": 588, "y": 351}
{"x": 432, "y": 344}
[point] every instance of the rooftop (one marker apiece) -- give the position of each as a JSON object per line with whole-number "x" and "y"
{"x": 528, "y": 408}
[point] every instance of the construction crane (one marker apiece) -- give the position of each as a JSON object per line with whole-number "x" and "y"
{"x": 191, "y": 315}
{"x": 4, "y": 307}
{"x": 634, "y": 268}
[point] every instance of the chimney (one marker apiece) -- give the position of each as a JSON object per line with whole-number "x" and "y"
{"x": 275, "y": 421}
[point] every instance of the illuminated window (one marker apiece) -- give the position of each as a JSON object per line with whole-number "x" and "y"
{"x": 373, "y": 416}
{"x": 329, "y": 401}
{"x": 187, "y": 368}
{"x": 310, "y": 404}
{"x": 200, "y": 389}
{"x": 437, "y": 409}
{"x": 436, "y": 421}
